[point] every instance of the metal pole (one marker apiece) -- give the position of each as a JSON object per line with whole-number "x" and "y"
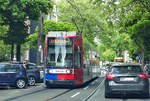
{"x": 39, "y": 49}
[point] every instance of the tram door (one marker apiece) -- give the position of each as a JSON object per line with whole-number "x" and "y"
{"x": 78, "y": 66}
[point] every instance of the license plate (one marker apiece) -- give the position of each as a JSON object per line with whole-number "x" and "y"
{"x": 127, "y": 79}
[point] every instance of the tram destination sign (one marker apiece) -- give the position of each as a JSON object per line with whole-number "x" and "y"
{"x": 59, "y": 41}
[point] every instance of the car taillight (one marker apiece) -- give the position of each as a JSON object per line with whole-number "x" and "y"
{"x": 143, "y": 76}
{"x": 110, "y": 76}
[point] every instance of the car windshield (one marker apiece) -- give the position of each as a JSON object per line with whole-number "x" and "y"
{"x": 59, "y": 53}
{"x": 126, "y": 69}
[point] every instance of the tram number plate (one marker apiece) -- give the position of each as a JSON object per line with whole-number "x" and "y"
{"x": 59, "y": 71}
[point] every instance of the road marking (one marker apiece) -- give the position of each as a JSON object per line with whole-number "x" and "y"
{"x": 75, "y": 94}
{"x": 86, "y": 88}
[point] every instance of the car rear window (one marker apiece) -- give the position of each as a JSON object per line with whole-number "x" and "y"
{"x": 148, "y": 66}
{"x": 126, "y": 69}
{"x": 2, "y": 68}
{"x": 9, "y": 68}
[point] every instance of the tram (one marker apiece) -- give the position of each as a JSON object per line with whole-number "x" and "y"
{"x": 69, "y": 59}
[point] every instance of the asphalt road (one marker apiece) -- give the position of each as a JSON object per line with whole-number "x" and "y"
{"x": 41, "y": 93}
{"x": 93, "y": 91}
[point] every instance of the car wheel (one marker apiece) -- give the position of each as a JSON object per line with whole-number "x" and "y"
{"x": 20, "y": 83}
{"x": 31, "y": 81}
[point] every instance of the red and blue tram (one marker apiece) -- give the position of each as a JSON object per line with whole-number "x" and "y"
{"x": 67, "y": 61}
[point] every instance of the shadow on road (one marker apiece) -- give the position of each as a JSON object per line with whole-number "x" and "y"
{"x": 131, "y": 96}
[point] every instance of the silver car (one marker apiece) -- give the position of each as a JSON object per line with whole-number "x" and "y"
{"x": 126, "y": 79}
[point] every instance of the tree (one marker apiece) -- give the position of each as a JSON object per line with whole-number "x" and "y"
{"x": 87, "y": 18}
{"x": 120, "y": 44}
{"x": 14, "y": 13}
{"x": 100, "y": 21}
{"x": 4, "y": 51}
{"x": 136, "y": 25}
{"x": 109, "y": 55}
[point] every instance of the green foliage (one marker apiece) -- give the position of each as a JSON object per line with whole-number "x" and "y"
{"x": 101, "y": 21}
{"x": 106, "y": 54}
{"x": 20, "y": 9}
{"x": 141, "y": 33}
{"x": 32, "y": 40}
{"x": 15, "y": 13}
{"x": 120, "y": 44}
{"x": 3, "y": 31}
{"x": 136, "y": 16}
{"x": 4, "y": 51}
{"x": 133, "y": 49}
{"x": 85, "y": 16}
{"x": 48, "y": 26}
{"x": 109, "y": 55}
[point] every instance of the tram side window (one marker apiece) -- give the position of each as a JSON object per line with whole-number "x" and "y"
{"x": 77, "y": 58}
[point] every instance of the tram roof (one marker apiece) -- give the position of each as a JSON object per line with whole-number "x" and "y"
{"x": 61, "y": 33}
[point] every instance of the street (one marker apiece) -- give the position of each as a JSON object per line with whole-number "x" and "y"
{"x": 94, "y": 91}
{"x": 94, "y": 47}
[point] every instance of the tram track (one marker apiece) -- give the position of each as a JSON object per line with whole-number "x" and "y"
{"x": 63, "y": 93}
{"x": 31, "y": 93}
{"x": 10, "y": 99}
{"x": 54, "y": 95}
{"x": 101, "y": 83}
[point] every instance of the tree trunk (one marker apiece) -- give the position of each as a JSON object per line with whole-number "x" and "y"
{"x": 142, "y": 58}
{"x": 18, "y": 55}
{"x": 12, "y": 52}
{"x": 120, "y": 52}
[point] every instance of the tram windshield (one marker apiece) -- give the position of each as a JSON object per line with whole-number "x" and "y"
{"x": 60, "y": 52}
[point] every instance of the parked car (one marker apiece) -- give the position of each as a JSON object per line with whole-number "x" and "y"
{"x": 147, "y": 69}
{"x": 13, "y": 74}
{"x": 126, "y": 79}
